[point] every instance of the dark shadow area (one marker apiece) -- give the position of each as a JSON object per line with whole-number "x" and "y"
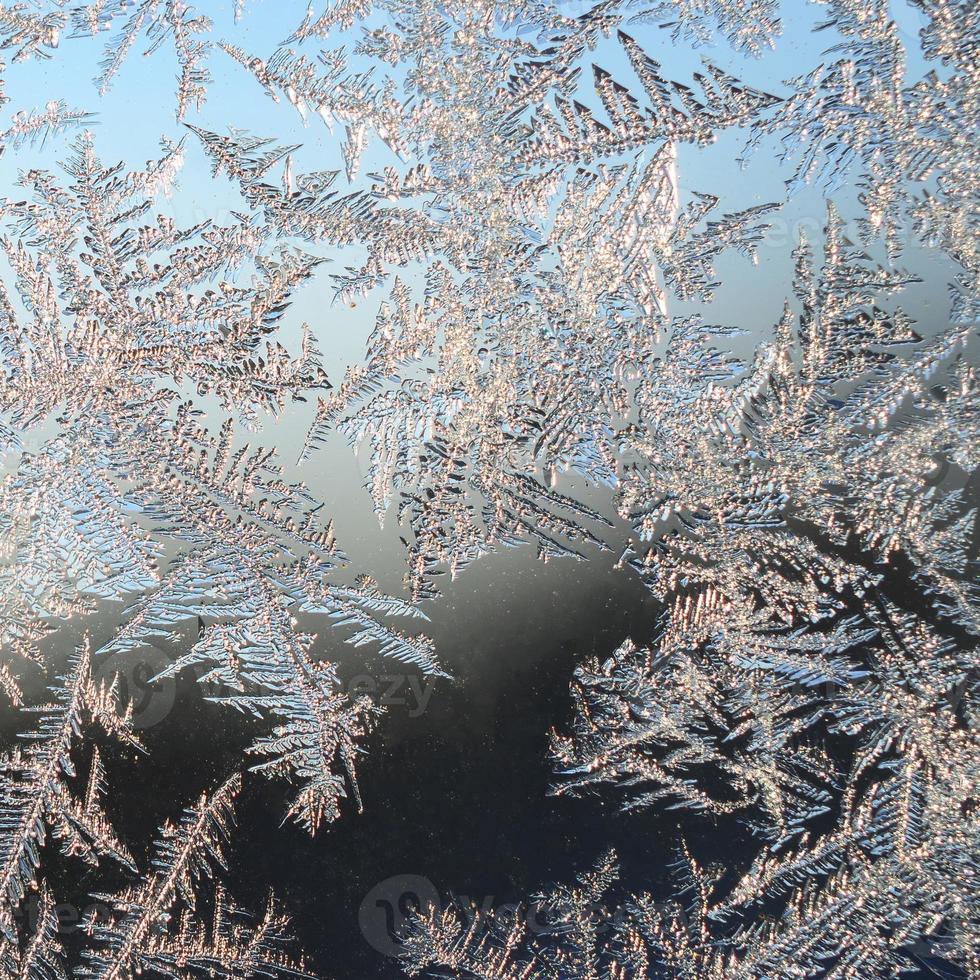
{"x": 458, "y": 794}
{"x": 455, "y": 780}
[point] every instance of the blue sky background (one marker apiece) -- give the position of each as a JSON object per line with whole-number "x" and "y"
{"x": 138, "y": 110}
{"x": 459, "y": 795}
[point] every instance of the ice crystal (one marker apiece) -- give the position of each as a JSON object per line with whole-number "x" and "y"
{"x": 160, "y": 21}
{"x": 154, "y": 926}
{"x": 790, "y": 551}
{"x": 40, "y": 957}
{"x": 110, "y": 327}
{"x": 444, "y": 938}
{"x": 521, "y": 194}
{"x": 29, "y": 32}
{"x": 35, "y": 793}
{"x": 517, "y": 358}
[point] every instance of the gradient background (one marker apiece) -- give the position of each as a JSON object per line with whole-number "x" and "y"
{"x": 458, "y": 793}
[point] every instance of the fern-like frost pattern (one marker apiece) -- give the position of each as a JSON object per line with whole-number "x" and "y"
{"x": 572, "y": 351}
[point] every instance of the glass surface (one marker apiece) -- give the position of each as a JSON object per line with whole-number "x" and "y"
{"x": 489, "y": 489}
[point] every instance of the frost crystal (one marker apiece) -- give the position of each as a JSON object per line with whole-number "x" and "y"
{"x": 142, "y": 933}
{"x": 632, "y": 290}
